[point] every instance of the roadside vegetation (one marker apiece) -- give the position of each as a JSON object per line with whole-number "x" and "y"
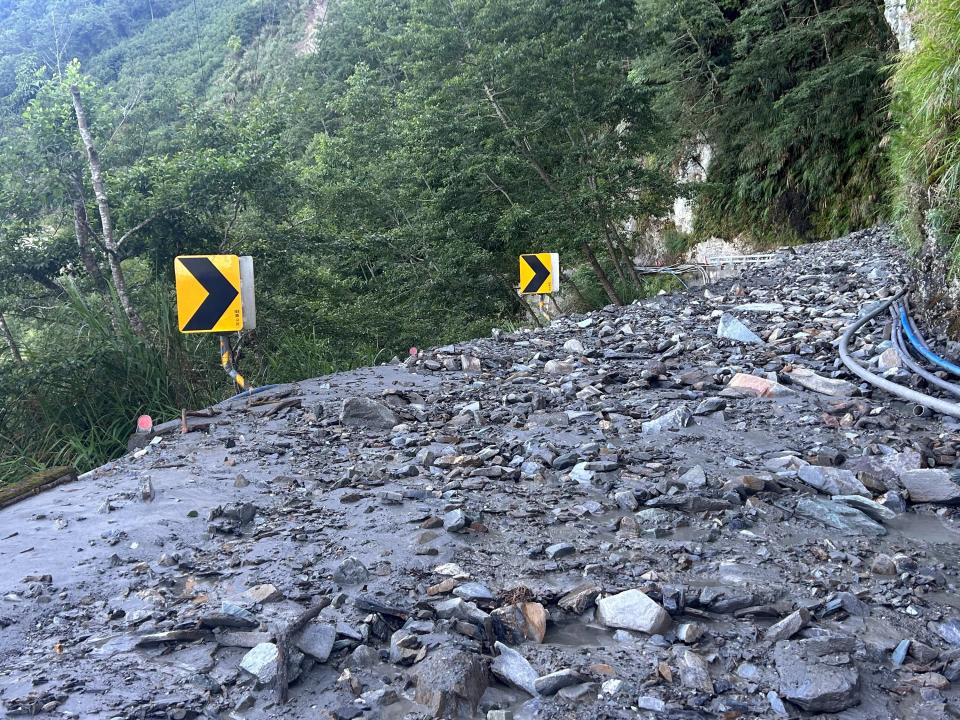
{"x": 386, "y": 172}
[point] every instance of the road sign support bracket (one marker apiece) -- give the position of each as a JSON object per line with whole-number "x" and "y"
{"x": 227, "y": 361}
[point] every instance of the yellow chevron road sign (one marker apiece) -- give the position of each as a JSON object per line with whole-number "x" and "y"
{"x": 208, "y": 293}
{"x": 539, "y": 273}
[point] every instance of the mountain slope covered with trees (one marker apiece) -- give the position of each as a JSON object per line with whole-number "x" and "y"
{"x": 386, "y": 170}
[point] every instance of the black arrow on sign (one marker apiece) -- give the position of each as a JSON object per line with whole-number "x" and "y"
{"x": 220, "y": 293}
{"x": 540, "y": 273}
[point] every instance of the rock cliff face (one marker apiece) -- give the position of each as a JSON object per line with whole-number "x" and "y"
{"x": 900, "y": 21}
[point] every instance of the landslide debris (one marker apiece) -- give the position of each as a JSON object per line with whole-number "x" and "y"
{"x": 684, "y": 508}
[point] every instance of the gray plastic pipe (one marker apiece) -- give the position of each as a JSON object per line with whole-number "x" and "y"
{"x": 936, "y": 404}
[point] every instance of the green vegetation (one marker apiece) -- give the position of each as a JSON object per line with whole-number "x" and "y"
{"x": 386, "y": 172}
{"x": 791, "y": 97}
{"x": 926, "y": 148}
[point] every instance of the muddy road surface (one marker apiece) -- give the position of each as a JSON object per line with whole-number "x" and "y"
{"x": 685, "y": 508}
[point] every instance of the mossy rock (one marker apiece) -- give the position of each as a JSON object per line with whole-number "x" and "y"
{"x": 36, "y": 483}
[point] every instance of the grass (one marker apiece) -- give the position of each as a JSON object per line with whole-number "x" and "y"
{"x": 926, "y": 148}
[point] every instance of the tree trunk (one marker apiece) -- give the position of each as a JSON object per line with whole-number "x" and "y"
{"x": 11, "y": 342}
{"x": 600, "y": 273}
{"x": 614, "y": 257}
{"x": 82, "y": 232}
{"x": 627, "y": 256}
{"x": 515, "y": 297}
{"x": 106, "y": 223}
{"x": 584, "y": 305}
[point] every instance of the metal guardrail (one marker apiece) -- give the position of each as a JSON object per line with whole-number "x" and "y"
{"x": 704, "y": 269}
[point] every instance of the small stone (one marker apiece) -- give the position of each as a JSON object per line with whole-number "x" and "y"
{"x": 694, "y": 672}
{"x": 788, "y": 627}
{"x": 752, "y": 385}
{"x": 676, "y": 419}
{"x": 521, "y": 621}
{"x": 899, "y": 654}
{"x": 580, "y": 598}
{"x": 823, "y": 385}
{"x": 262, "y": 594}
{"x": 689, "y": 633}
{"x": 261, "y": 662}
{"x": 455, "y": 521}
{"x": 317, "y": 641}
{"x": 558, "y": 367}
{"x": 633, "y": 610}
{"x": 731, "y": 328}
{"x": 883, "y": 564}
{"x": 574, "y": 346}
{"x": 450, "y": 682}
{"x": 555, "y": 681}
{"x": 351, "y": 572}
{"x": 560, "y": 550}
{"x": 816, "y": 687}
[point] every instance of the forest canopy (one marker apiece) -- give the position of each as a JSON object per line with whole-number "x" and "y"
{"x": 385, "y": 163}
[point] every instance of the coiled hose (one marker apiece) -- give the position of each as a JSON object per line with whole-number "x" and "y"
{"x": 923, "y": 400}
{"x": 907, "y": 358}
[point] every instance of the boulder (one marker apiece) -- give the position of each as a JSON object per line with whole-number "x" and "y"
{"x": 369, "y": 414}
{"x": 633, "y": 610}
{"x": 931, "y": 486}
{"x": 513, "y": 669}
{"x": 450, "y": 682}
{"x": 813, "y": 685}
{"x": 832, "y": 481}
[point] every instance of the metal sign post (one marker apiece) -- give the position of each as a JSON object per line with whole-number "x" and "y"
{"x": 215, "y": 294}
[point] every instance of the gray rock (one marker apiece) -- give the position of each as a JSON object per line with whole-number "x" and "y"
{"x": 261, "y": 662}
{"x": 513, "y": 669}
{"x": 679, "y": 417}
{"x": 580, "y": 598}
{"x": 710, "y": 405}
{"x": 868, "y": 507}
{"x": 931, "y": 486}
{"x": 558, "y": 367}
{"x": 633, "y": 610}
{"x": 316, "y": 640}
{"x": 949, "y": 631}
{"x": 815, "y": 686}
{"x": 695, "y": 477}
{"x": 351, "y": 572}
{"x": 653, "y": 704}
{"x": 560, "y": 550}
{"x": 732, "y": 329}
{"x": 450, "y": 682}
{"x": 839, "y": 516}
{"x": 365, "y": 413}
{"x": 694, "y": 672}
{"x": 832, "y": 481}
{"x": 574, "y": 346}
{"x": 823, "y": 385}
{"x": 473, "y": 591}
{"x": 555, "y": 681}
{"x": 455, "y": 521}
{"x": 760, "y": 307}
{"x": 788, "y": 627}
